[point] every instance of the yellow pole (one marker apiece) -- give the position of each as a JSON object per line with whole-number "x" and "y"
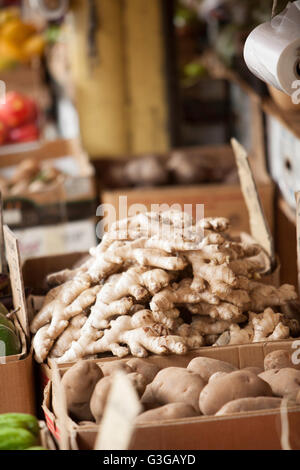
{"x": 122, "y": 100}
{"x": 100, "y": 88}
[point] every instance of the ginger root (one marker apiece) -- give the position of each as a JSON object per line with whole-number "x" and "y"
{"x": 160, "y": 283}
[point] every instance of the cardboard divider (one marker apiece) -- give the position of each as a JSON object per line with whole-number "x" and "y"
{"x": 249, "y": 430}
{"x": 17, "y": 391}
{"x": 46, "y": 439}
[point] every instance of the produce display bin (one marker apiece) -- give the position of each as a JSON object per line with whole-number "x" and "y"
{"x": 261, "y": 430}
{"x": 17, "y": 387}
{"x": 218, "y": 198}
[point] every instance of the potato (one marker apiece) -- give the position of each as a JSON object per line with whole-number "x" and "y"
{"x": 139, "y": 382}
{"x": 174, "y": 385}
{"x": 249, "y": 404}
{"x": 170, "y": 411}
{"x": 148, "y": 370}
{"x": 298, "y": 398}
{"x": 216, "y": 375}
{"x": 255, "y": 370}
{"x": 283, "y": 382}
{"x": 277, "y": 360}
{"x": 109, "y": 368}
{"x": 206, "y": 367}
{"x": 99, "y": 398}
{"x": 79, "y": 383}
{"x": 238, "y": 384}
{"x": 101, "y": 392}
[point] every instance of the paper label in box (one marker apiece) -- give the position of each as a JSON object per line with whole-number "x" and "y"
{"x": 57, "y": 239}
{"x": 12, "y": 217}
{"x": 16, "y": 277}
{"x": 80, "y": 234}
{"x": 78, "y": 187}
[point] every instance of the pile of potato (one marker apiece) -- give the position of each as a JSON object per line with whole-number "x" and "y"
{"x": 205, "y": 387}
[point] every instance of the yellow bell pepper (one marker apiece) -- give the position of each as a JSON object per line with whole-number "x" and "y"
{"x": 16, "y": 31}
{"x": 8, "y": 14}
{"x": 34, "y": 46}
{"x": 9, "y": 51}
{"x": 6, "y": 64}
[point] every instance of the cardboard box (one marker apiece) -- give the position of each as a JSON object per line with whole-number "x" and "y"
{"x": 71, "y": 199}
{"x": 224, "y": 200}
{"x": 251, "y": 430}
{"x": 17, "y": 392}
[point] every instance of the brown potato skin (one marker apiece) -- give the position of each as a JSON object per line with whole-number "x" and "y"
{"x": 174, "y": 385}
{"x": 79, "y": 383}
{"x": 99, "y": 398}
{"x": 109, "y": 368}
{"x": 100, "y": 395}
{"x": 249, "y": 404}
{"x": 238, "y": 384}
{"x": 255, "y": 370}
{"x": 170, "y": 411}
{"x": 283, "y": 382}
{"x": 277, "y": 360}
{"x": 139, "y": 382}
{"x": 206, "y": 367}
{"x": 147, "y": 369}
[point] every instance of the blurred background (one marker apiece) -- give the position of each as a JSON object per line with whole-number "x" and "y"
{"x": 106, "y": 98}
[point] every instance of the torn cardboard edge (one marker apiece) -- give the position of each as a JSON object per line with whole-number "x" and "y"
{"x": 46, "y": 439}
{"x": 240, "y": 356}
{"x": 61, "y": 409}
{"x": 16, "y": 278}
{"x": 258, "y": 225}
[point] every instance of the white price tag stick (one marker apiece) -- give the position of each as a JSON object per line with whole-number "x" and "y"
{"x": 258, "y": 224}
{"x": 16, "y": 277}
{"x": 117, "y": 425}
{"x": 60, "y": 408}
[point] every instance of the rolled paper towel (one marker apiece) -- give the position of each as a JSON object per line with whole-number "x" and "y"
{"x": 272, "y": 50}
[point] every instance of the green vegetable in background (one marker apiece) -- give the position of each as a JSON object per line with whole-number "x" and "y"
{"x": 11, "y": 341}
{"x": 3, "y": 317}
{"x": 16, "y": 439}
{"x": 20, "y": 421}
{"x": 6, "y": 322}
{"x": 194, "y": 70}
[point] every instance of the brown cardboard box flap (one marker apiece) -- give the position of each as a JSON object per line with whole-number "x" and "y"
{"x": 258, "y": 224}
{"x": 17, "y": 386}
{"x": 16, "y": 276}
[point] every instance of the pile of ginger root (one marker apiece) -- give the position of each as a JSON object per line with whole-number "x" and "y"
{"x": 160, "y": 283}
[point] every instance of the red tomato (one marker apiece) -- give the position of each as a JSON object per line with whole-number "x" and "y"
{"x": 3, "y": 133}
{"x": 18, "y": 110}
{"x": 26, "y": 133}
